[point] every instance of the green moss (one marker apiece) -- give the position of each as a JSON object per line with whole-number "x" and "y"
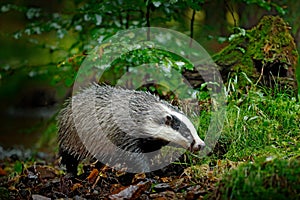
{"x": 268, "y": 45}
{"x": 262, "y": 179}
{"x": 270, "y": 40}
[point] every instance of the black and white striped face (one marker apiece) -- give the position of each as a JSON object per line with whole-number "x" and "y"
{"x": 175, "y": 127}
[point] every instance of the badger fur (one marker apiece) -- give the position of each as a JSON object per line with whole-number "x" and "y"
{"x": 100, "y": 118}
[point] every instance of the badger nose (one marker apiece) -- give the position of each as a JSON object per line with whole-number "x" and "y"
{"x": 197, "y": 146}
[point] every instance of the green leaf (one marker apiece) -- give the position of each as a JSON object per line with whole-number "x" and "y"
{"x": 156, "y": 3}
{"x": 280, "y": 10}
{"x": 18, "y": 167}
{"x": 5, "y": 8}
{"x": 69, "y": 81}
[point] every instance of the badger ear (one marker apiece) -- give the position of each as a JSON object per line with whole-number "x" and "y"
{"x": 168, "y": 120}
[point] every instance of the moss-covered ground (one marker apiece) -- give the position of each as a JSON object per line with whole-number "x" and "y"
{"x": 258, "y": 152}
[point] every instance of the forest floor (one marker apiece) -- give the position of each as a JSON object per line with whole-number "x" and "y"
{"x": 37, "y": 175}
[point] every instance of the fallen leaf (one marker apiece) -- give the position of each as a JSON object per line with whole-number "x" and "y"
{"x": 39, "y": 197}
{"x": 165, "y": 179}
{"x": 2, "y": 172}
{"x": 163, "y": 195}
{"x": 93, "y": 175}
{"x": 132, "y": 192}
{"x": 76, "y": 186}
{"x": 45, "y": 172}
{"x": 139, "y": 177}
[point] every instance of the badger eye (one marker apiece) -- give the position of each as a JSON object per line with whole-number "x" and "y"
{"x": 168, "y": 120}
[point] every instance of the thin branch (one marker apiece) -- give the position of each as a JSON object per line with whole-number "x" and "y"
{"x": 231, "y": 10}
{"x": 192, "y": 26}
{"x": 127, "y": 20}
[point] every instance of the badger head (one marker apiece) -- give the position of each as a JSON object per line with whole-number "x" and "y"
{"x": 170, "y": 125}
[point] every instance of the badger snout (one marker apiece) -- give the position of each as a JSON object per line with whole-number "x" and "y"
{"x": 197, "y": 146}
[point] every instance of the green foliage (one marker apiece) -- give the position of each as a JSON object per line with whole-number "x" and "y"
{"x": 155, "y": 62}
{"x": 267, "y": 5}
{"x": 147, "y": 56}
{"x": 81, "y": 25}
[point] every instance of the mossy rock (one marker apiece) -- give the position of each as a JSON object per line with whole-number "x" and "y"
{"x": 267, "y": 179}
{"x": 266, "y": 53}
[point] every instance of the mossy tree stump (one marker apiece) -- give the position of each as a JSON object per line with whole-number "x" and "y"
{"x": 265, "y": 55}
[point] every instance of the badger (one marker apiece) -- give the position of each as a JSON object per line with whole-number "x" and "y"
{"x": 118, "y": 126}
